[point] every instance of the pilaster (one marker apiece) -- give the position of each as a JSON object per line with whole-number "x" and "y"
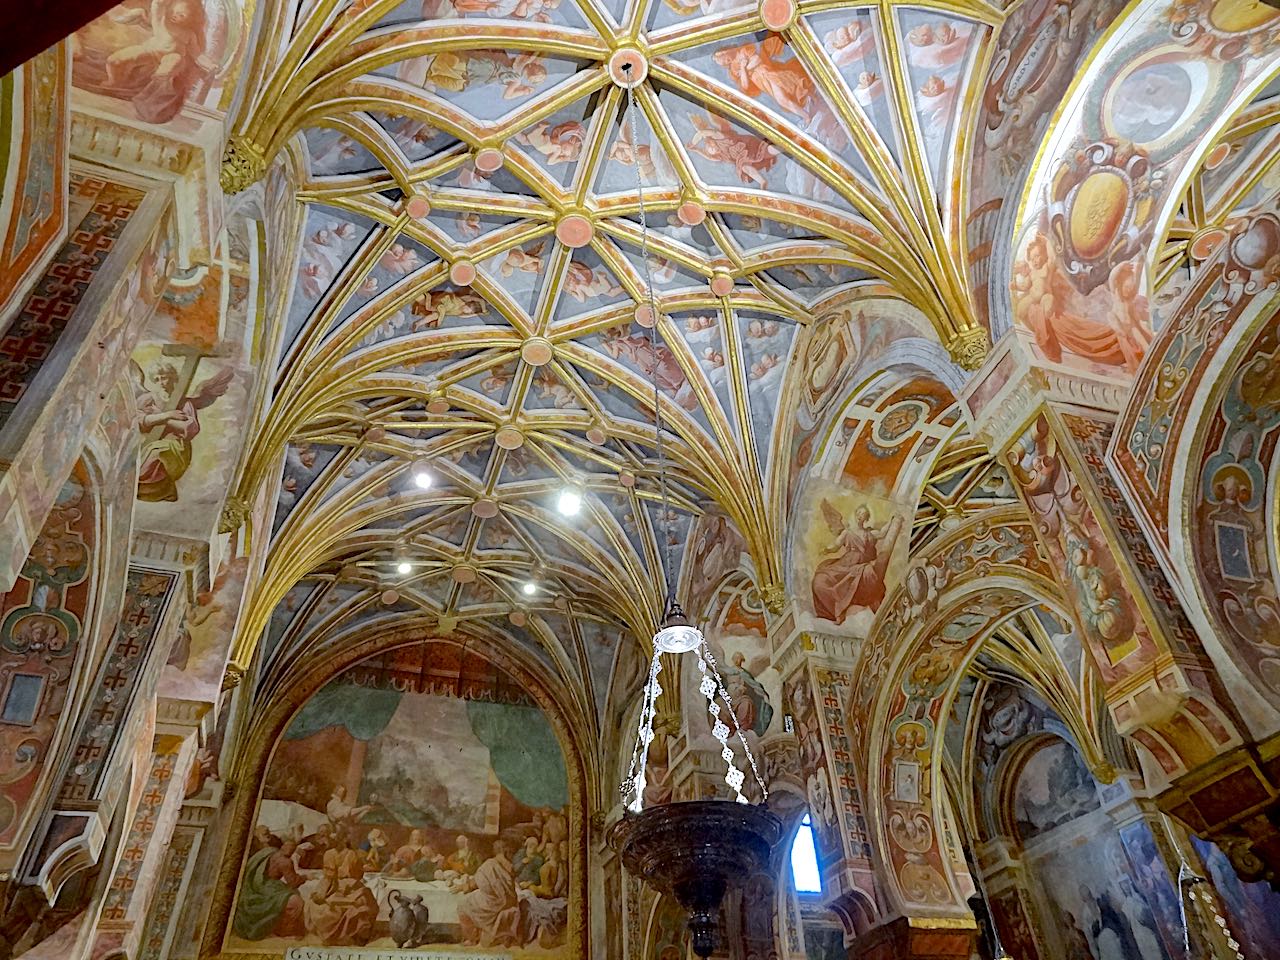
{"x": 1012, "y": 908}
{"x": 1051, "y": 426}
{"x": 816, "y": 670}
{"x": 147, "y": 844}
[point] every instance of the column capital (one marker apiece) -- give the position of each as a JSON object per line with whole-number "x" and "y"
{"x": 1012, "y": 386}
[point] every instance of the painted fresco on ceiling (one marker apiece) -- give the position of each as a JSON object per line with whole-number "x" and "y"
{"x": 1237, "y": 481}
{"x": 846, "y": 345}
{"x": 405, "y": 812}
{"x": 159, "y": 56}
{"x": 1079, "y": 286}
{"x": 33, "y": 170}
{"x": 1037, "y": 56}
{"x": 742, "y": 127}
{"x": 850, "y": 549}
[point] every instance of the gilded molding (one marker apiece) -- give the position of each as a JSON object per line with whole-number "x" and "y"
{"x": 243, "y": 164}
{"x": 969, "y": 347}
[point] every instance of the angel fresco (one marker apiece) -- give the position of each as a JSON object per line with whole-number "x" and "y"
{"x": 520, "y": 260}
{"x": 561, "y": 143}
{"x": 716, "y": 140}
{"x": 519, "y": 74}
{"x": 155, "y": 55}
{"x": 1046, "y": 303}
{"x": 659, "y": 363}
{"x": 583, "y": 283}
{"x": 168, "y": 430}
{"x": 436, "y": 306}
{"x": 531, "y": 10}
{"x": 851, "y": 575}
{"x": 851, "y": 43}
{"x": 758, "y": 69}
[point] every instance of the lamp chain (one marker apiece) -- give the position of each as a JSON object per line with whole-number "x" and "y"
{"x": 636, "y": 781}
{"x": 711, "y": 684}
{"x": 709, "y": 689}
{"x": 653, "y": 340}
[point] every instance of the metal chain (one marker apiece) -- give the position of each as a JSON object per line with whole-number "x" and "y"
{"x": 636, "y": 780}
{"x": 653, "y": 340}
{"x": 705, "y": 652}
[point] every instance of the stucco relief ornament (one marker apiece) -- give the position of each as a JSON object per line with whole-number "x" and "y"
{"x": 234, "y": 513}
{"x": 774, "y": 596}
{"x": 969, "y": 347}
{"x": 243, "y": 164}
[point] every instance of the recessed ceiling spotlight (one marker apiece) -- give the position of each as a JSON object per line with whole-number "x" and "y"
{"x": 570, "y": 501}
{"x": 404, "y": 567}
{"x": 529, "y": 589}
{"x": 421, "y": 475}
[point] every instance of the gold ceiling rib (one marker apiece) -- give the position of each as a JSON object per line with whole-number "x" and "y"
{"x": 359, "y": 379}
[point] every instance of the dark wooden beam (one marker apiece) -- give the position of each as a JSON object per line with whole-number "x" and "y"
{"x": 28, "y": 27}
{"x": 1273, "y": 3}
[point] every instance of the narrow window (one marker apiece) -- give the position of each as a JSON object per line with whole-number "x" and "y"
{"x": 804, "y": 860}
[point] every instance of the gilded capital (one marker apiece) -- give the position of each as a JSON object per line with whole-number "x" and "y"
{"x": 234, "y": 513}
{"x": 243, "y": 164}
{"x": 969, "y": 347}
{"x": 231, "y": 679}
{"x": 774, "y": 597}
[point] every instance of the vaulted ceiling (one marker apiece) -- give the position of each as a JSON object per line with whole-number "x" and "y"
{"x": 476, "y": 178}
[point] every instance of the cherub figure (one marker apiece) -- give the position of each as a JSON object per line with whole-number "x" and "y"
{"x": 561, "y": 143}
{"x": 750, "y": 156}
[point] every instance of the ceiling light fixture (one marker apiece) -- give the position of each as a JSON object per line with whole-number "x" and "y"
{"x": 693, "y": 850}
{"x": 529, "y": 588}
{"x": 421, "y": 475}
{"x": 570, "y": 501}
{"x": 404, "y": 567}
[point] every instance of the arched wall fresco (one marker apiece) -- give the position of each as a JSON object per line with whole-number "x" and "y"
{"x": 1163, "y": 442}
{"x": 1111, "y": 896}
{"x": 906, "y": 676}
{"x": 333, "y": 752}
{"x": 1113, "y": 166}
{"x": 46, "y": 640}
{"x": 1232, "y": 511}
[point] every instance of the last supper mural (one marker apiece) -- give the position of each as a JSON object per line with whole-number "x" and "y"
{"x": 411, "y": 815}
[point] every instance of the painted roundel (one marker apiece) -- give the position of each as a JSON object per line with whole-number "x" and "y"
{"x": 899, "y": 422}
{"x": 1155, "y": 100}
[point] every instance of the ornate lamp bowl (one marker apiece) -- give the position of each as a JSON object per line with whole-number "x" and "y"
{"x": 695, "y": 851}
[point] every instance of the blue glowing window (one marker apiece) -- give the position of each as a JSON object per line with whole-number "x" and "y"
{"x": 804, "y": 860}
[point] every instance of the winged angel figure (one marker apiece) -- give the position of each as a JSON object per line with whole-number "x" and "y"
{"x": 851, "y": 575}
{"x": 168, "y": 418}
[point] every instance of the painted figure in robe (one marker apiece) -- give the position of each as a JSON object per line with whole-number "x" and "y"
{"x": 851, "y": 576}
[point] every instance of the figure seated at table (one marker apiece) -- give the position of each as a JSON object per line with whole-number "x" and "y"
{"x": 340, "y": 909}
{"x": 417, "y": 859}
